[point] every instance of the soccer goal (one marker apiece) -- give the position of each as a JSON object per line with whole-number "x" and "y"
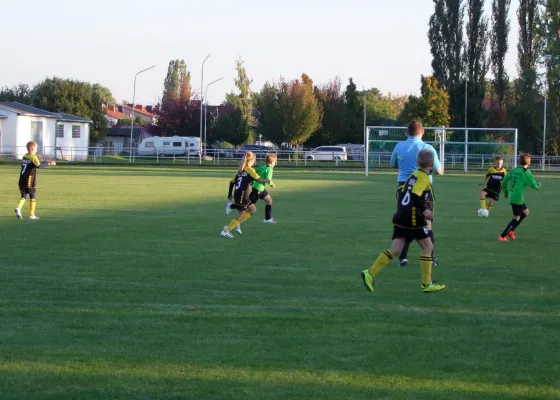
{"x": 467, "y": 149}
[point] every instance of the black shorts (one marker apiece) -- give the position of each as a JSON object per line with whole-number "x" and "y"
{"x": 429, "y": 199}
{"x": 490, "y": 194}
{"x": 410, "y": 234}
{"x": 518, "y": 209}
{"x": 239, "y": 200}
{"x": 256, "y": 195}
{"x": 32, "y": 192}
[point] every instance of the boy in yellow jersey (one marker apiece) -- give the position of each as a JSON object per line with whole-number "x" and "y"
{"x": 492, "y": 184}
{"x": 520, "y": 178}
{"x": 242, "y": 183}
{"x": 411, "y": 223}
{"x": 28, "y": 179}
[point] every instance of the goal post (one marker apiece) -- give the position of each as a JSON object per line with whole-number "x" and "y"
{"x": 466, "y": 149}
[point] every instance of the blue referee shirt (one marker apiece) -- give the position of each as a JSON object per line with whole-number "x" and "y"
{"x": 404, "y": 157}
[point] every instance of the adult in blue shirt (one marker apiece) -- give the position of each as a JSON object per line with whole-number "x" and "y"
{"x": 404, "y": 158}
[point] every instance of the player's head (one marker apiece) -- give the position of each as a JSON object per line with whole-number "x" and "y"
{"x": 425, "y": 159}
{"x": 271, "y": 160}
{"x": 415, "y": 129}
{"x": 248, "y": 160}
{"x": 498, "y": 162}
{"x": 524, "y": 159}
{"x": 32, "y": 147}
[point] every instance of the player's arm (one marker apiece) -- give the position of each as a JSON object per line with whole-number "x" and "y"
{"x": 231, "y": 184}
{"x": 253, "y": 174}
{"x": 268, "y": 175}
{"x": 437, "y": 163}
{"x": 394, "y": 161}
{"x": 505, "y": 182}
{"x": 531, "y": 181}
{"x": 486, "y": 178}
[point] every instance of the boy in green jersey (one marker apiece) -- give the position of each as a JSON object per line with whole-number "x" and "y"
{"x": 259, "y": 191}
{"x": 520, "y": 178}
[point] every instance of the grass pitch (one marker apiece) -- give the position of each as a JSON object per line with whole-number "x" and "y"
{"x": 124, "y": 289}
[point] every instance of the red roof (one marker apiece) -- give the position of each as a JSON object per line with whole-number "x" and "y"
{"x": 138, "y": 111}
{"x": 116, "y": 114}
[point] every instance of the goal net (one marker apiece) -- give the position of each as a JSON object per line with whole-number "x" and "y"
{"x": 466, "y": 149}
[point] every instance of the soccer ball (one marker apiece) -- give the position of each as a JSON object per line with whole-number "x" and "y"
{"x": 483, "y": 212}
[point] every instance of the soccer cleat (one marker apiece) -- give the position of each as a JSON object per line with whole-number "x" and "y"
{"x": 502, "y": 239}
{"x": 432, "y": 287}
{"x": 226, "y": 233}
{"x": 270, "y": 221}
{"x": 238, "y": 230}
{"x": 435, "y": 262}
{"x": 228, "y": 207}
{"x": 33, "y": 217}
{"x": 512, "y": 235}
{"x": 368, "y": 280}
{"x": 18, "y": 213}
{"x": 403, "y": 262}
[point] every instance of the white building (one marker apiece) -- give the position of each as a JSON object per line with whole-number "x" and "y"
{"x": 57, "y": 135}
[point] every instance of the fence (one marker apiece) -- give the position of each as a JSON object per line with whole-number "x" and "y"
{"x": 286, "y": 158}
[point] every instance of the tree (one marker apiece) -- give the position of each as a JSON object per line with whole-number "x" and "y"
{"x": 20, "y": 93}
{"x": 383, "y": 108}
{"x": 243, "y": 104}
{"x": 354, "y": 115}
{"x": 431, "y": 108}
{"x": 445, "y": 36}
{"x": 330, "y": 98}
{"x": 525, "y": 114}
{"x": 177, "y": 84}
{"x": 476, "y": 61}
{"x": 499, "y": 47}
{"x": 269, "y": 118}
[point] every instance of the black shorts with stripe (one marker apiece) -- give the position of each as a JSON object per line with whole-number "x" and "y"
{"x": 518, "y": 209}
{"x": 410, "y": 234}
{"x": 491, "y": 194}
{"x": 256, "y": 195}
{"x": 24, "y": 191}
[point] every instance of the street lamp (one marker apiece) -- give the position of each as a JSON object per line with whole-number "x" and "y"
{"x": 206, "y": 109}
{"x": 547, "y": 59}
{"x": 134, "y": 105}
{"x": 201, "y": 102}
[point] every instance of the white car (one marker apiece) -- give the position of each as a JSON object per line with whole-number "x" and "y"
{"x": 327, "y": 153}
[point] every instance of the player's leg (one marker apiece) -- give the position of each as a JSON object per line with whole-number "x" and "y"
{"x": 490, "y": 204}
{"x": 517, "y": 211}
{"x": 32, "y": 203}
{"x": 433, "y": 239}
{"x": 403, "y": 258}
{"x": 23, "y": 196}
{"x": 524, "y": 213}
{"x": 426, "y": 263}
{"x": 368, "y": 275}
{"x": 483, "y": 195}
{"x": 267, "y": 208}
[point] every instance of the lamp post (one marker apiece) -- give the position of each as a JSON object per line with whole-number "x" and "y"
{"x": 206, "y": 109}
{"x": 547, "y": 59}
{"x": 134, "y": 105}
{"x": 201, "y": 103}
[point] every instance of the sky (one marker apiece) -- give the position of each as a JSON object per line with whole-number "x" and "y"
{"x": 379, "y": 43}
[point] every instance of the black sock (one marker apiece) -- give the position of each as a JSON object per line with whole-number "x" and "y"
{"x": 431, "y": 235}
{"x": 510, "y": 228}
{"x": 267, "y": 212}
{"x": 404, "y": 253}
{"x": 521, "y": 218}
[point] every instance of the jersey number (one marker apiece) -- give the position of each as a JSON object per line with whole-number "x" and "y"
{"x": 24, "y": 167}
{"x": 406, "y": 199}
{"x": 514, "y": 182}
{"x": 239, "y": 181}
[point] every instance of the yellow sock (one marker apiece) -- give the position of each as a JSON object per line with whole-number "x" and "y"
{"x": 246, "y": 216}
{"x": 482, "y": 203}
{"x": 21, "y": 203}
{"x": 32, "y": 207}
{"x": 426, "y": 265}
{"x": 382, "y": 261}
{"x": 233, "y": 224}
{"x": 489, "y": 206}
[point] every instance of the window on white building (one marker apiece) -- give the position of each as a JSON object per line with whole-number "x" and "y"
{"x": 76, "y": 130}
{"x": 60, "y": 131}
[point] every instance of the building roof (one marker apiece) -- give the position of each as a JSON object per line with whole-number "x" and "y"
{"x": 138, "y": 111}
{"x": 115, "y": 114}
{"x": 3, "y": 116}
{"x": 72, "y": 118}
{"x": 23, "y": 109}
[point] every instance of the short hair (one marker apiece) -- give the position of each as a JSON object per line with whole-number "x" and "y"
{"x": 414, "y": 128}
{"x": 498, "y": 158}
{"x": 271, "y": 158}
{"x": 425, "y": 158}
{"x": 31, "y": 144}
{"x": 524, "y": 159}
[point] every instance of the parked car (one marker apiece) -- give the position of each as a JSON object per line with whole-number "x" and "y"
{"x": 327, "y": 153}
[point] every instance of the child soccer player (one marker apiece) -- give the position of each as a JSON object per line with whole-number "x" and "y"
{"x": 259, "y": 191}
{"x": 520, "y": 178}
{"x": 411, "y": 223}
{"x": 28, "y": 179}
{"x": 492, "y": 184}
{"x": 241, "y": 181}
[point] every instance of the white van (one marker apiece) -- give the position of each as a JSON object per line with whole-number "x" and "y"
{"x": 327, "y": 153}
{"x": 192, "y": 145}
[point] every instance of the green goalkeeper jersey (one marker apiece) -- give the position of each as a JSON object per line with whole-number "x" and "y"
{"x": 264, "y": 172}
{"x": 520, "y": 178}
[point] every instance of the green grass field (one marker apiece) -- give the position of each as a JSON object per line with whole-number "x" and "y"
{"x": 124, "y": 289}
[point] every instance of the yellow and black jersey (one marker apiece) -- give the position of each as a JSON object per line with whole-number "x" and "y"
{"x": 28, "y": 173}
{"x": 411, "y": 201}
{"x": 495, "y": 177}
{"x": 241, "y": 180}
